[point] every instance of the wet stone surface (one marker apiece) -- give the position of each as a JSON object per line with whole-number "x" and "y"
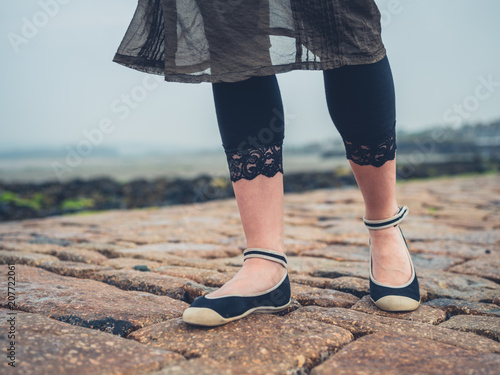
{"x": 424, "y": 313}
{"x": 89, "y": 303}
{"x": 384, "y": 353}
{"x": 261, "y": 343}
{"x": 76, "y": 255}
{"x": 482, "y": 325}
{"x": 104, "y": 293}
{"x": 456, "y": 307}
{"x": 318, "y": 282}
{"x": 360, "y": 324}
{"x": 452, "y": 248}
{"x": 439, "y": 284}
{"x": 151, "y": 282}
{"x": 354, "y": 285}
{"x": 47, "y": 346}
{"x": 187, "y": 250}
{"x": 130, "y": 263}
{"x": 202, "y": 366}
{"x": 73, "y": 269}
{"x": 306, "y": 295}
{"x": 203, "y": 276}
{"x": 487, "y": 267}
{"x": 21, "y": 257}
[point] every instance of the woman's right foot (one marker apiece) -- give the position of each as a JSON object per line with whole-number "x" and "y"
{"x": 405, "y": 295}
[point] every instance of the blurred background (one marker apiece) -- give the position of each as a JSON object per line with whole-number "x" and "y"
{"x": 59, "y": 86}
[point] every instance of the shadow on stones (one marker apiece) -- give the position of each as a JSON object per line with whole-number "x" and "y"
{"x": 117, "y": 327}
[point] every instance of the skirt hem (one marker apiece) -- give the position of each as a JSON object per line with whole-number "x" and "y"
{"x": 156, "y": 67}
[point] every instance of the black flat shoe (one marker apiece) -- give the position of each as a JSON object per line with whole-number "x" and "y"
{"x": 404, "y": 297}
{"x": 214, "y": 311}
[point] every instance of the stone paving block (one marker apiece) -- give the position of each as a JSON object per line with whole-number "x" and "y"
{"x": 489, "y": 238}
{"x": 76, "y": 255}
{"x": 130, "y": 263}
{"x": 424, "y": 313}
{"x": 11, "y": 233}
{"x": 360, "y": 324}
{"x": 487, "y": 267}
{"x": 57, "y": 234}
{"x": 89, "y": 303}
{"x": 482, "y": 325}
{"x": 340, "y": 253}
{"x": 457, "y": 306}
{"x": 207, "y": 277}
{"x": 174, "y": 260}
{"x": 352, "y": 227}
{"x": 220, "y": 278}
{"x": 73, "y": 269}
{"x": 354, "y": 269}
{"x": 354, "y": 285}
{"x": 436, "y": 232}
{"x": 452, "y": 247}
{"x": 294, "y": 246}
{"x": 308, "y": 233}
{"x": 194, "y": 290}
{"x": 47, "y": 346}
{"x": 441, "y": 284}
{"x": 361, "y": 254}
{"x": 322, "y": 267}
{"x": 186, "y": 250}
{"x": 152, "y": 282}
{"x": 434, "y": 261}
{"x": 21, "y": 257}
{"x": 318, "y": 282}
{"x": 385, "y": 353}
{"x": 307, "y": 295}
{"x": 106, "y": 249}
{"x": 202, "y": 366}
{"x": 261, "y": 343}
{"x": 30, "y": 247}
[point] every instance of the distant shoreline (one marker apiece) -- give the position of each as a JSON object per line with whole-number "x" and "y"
{"x": 34, "y": 200}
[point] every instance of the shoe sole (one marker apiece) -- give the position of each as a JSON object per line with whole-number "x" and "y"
{"x": 203, "y": 316}
{"x": 396, "y": 303}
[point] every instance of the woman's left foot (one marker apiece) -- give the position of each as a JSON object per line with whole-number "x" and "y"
{"x": 246, "y": 293}
{"x": 393, "y": 281}
{"x": 390, "y": 263}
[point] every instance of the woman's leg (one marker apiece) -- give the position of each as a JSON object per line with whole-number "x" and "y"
{"x": 251, "y": 124}
{"x": 361, "y": 102}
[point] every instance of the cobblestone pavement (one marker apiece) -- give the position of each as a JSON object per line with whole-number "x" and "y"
{"x": 104, "y": 293}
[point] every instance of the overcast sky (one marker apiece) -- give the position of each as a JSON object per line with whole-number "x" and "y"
{"x": 62, "y": 80}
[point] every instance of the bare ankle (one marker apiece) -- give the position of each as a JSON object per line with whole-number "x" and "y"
{"x": 381, "y": 213}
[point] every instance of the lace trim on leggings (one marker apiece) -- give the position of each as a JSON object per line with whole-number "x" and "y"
{"x": 371, "y": 154}
{"x": 249, "y": 163}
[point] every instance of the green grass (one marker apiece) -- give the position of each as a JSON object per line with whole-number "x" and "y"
{"x": 35, "y": 202}
{"x": 77, "y": 204}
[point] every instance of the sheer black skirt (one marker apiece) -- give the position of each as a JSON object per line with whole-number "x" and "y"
{"x": 232, "y": 40}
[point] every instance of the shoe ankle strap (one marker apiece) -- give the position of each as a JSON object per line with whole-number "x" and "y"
{"x": 389, "y": 222}
{"x": 256, "y": 252}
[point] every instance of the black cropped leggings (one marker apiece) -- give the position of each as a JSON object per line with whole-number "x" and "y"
{"x": 361, "y": 103}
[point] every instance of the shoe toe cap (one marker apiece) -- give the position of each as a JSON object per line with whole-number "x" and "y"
{"x": 202, "y": 316}
{"x": 397, "y": 303}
